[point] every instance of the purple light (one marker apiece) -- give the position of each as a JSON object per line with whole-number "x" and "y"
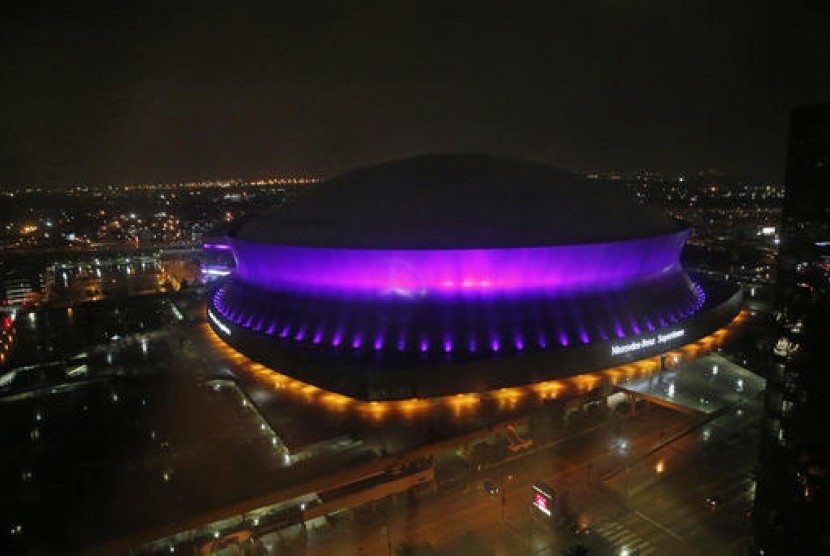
{"x": 519, "y": 342}
{"x": 497, "y": 323}
{"x": 447, "y": 345}
{"x": 448, "y": 272}
{"x": 217, "y": 246}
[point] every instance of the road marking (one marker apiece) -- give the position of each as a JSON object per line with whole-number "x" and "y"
{"x": 623, "y": 537}
{"x": 641, "y": 544}
{"x": 662, "y": 527}
{"x": 620, "y": 536}
{"x": 609, "y": 527}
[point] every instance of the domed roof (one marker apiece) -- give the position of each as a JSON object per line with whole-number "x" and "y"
{"x": 456, "y": 202}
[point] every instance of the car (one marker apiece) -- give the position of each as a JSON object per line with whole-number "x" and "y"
{"x": 714, "y": 501}
{"x": 490, "y": 488}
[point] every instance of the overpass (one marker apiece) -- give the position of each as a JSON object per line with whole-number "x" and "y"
{"x": 703, "y": 386}
{"x": 336, "y": 491}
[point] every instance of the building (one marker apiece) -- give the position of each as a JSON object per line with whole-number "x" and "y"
{"x": 440, "y": 275}
{"x": 217, "y": 260}
{"x": 20, "y": 291}
{"x": 792, "y": 508}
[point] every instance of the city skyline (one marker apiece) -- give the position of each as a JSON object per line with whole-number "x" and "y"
{"x": 141, "y": 95}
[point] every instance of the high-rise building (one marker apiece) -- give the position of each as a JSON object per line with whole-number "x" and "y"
{"x": 792, "y": 509}
{"x": 806, "y": 214}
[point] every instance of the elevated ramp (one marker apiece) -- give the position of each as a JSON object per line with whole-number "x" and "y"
{"x": 705, "y": 386}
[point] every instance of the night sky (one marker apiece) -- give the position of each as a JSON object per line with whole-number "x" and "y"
{"x": 178, "y": 91}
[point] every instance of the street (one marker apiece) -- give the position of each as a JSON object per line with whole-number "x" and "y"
{"x": 665, "y": 511}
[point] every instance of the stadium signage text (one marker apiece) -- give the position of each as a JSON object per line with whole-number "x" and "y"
{"x": 647, "y": 342}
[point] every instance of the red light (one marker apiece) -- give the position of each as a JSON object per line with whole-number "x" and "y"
{"x": 541, "y": 502}
{"x": 7, "y": 323}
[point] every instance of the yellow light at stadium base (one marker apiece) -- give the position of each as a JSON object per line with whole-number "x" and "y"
{"x": 461, "y": 405}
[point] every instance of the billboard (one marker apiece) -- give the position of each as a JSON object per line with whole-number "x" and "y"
{"x": 543, "y": 497}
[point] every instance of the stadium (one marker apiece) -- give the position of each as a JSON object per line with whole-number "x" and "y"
{"x": 447, "y": 274}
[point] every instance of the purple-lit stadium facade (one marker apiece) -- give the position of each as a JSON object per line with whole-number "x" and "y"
{"x": 448, "y": 274}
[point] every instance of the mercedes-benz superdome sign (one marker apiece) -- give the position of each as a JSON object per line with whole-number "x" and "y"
{"x": 647, "y": 342}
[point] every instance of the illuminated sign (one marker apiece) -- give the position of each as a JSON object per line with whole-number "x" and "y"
{"x": 543, "y": 496}
{"x": 541, "y": 503}
{"x": 219, "y": 324}
{"x": 647, "y": 342}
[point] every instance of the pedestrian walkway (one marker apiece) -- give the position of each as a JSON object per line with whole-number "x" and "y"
{"x": 618, "y": 534}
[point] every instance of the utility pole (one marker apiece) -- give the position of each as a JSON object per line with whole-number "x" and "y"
{"x": 388, "y": 534}
{"x": 503, "y": 501}
{"x": 627, "y": 469}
